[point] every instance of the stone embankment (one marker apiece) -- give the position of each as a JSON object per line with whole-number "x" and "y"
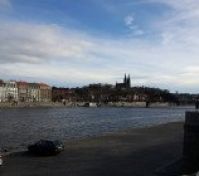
{"x": 82, "y": 104}
{"x": 139, "y": 104}
{"x": 32, "y": 105}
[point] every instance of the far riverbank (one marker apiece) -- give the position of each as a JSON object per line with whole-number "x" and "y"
{"x": 82, "y": 104}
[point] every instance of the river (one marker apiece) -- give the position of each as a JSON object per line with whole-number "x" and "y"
{"x": 22, "y": 126}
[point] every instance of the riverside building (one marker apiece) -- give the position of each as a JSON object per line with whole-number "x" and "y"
{"x": 2, "y": 91}
{"x": 8, "y": 91}
{"x": 21, "y": 91}
{"x": 45, "y": 92}
{"x": 11, "y": 91}
{"x": 34, "y": 92}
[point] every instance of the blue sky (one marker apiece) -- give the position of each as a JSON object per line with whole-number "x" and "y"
{"x": 103, "y": 17}
{"x": 73, "y": 43}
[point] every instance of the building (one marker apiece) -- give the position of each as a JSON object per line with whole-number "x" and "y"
{"x": 2, "y": 91}
{"x": 33, "y": 92}
{"x": 8, "y": 91}
{"x": 45, "y": 92}
{"x": 11, "y": 91}
{"x": 23, "y": 91}
{"x": 126, "y": 83}
{"x": 62, "y": 94}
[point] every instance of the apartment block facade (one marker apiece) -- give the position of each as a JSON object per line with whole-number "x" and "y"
{"x": 45, "y": 92}
{"x": 23, "y": 89}
{"x": 2, "y": 91}
{"x": 8, "y": 91}
{"x": 12, "y": 91}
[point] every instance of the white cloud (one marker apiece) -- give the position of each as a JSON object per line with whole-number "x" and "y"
{"x": 129, "y": 20}
{"x": 179, "y": 29}
{"x": 31, "y": 43}
{"x": 130, "y": 23}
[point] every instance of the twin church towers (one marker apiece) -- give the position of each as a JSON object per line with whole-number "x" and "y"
{"x": 126, "y": 82}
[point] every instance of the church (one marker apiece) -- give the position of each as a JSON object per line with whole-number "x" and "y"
{"x": 126, "y": 83}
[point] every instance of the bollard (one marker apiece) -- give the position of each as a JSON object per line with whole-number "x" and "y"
{"x": 191, "y": 137}
{"x": 197, "y": 104}
{"x": 190, "y": 161}
{"x": 1, "y": 161}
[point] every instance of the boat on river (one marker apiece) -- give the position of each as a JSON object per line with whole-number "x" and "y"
{"x": 90, "y": 104}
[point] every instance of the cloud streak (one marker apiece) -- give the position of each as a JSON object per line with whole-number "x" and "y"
{"x": 129, "y": 22}
{"x": 30, "y": 43}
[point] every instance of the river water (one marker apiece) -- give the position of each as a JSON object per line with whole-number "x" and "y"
{"x": 22, "y": 126}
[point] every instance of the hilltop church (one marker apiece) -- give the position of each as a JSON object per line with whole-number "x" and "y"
{"x": 126, "y": 83}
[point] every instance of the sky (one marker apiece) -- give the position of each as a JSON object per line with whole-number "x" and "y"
{"x": 76, "y": 42}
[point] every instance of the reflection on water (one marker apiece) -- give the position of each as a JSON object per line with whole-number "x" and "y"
{"x": 19, "y": 127}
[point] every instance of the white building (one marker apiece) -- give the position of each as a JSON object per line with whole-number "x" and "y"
{"x": 11, "y": 91}
{"x": 2, "y": 91}
{"x": 34, "y": 92}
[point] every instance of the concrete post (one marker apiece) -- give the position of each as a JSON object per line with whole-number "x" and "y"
{"x": 191, "y": 137}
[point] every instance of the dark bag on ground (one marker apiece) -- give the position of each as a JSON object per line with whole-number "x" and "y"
{"x": 46, "y": 148}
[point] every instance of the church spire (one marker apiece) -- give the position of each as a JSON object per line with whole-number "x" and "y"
{"x": 125, "y": 79}
{"x": 129, "y": 80}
